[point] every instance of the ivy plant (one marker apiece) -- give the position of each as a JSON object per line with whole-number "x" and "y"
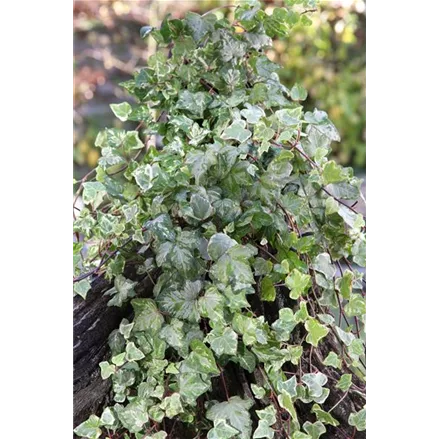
{"x": 223, "y": 196}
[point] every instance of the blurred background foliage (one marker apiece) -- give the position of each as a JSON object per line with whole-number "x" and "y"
{"x": 328, "y": 58}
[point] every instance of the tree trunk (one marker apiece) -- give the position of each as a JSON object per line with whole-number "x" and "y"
{"x": 94, "y": 321}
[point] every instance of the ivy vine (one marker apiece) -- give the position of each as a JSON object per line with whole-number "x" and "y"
{"x": 224, "y": 197}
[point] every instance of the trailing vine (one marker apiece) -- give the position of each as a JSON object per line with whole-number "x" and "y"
{"x": 224, "y": 197}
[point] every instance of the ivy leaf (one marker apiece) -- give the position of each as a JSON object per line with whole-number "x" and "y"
{"x": 182, "y": 259}
{"x": 236, "y": 131}
{"x": 133, "y": 353}
{"x": 108, "y": 418}
{"x": 221, "y": 430}
{"x": 107, "y": 369}
{"x": 198, "y": 25}
{"x": 201, "y": 207}
{"x": 315, "y": 383}
{"x": 289, "y": 117}
{"x": 219, "y": 244}
{"x": 263, "y": 430}
{"x": 82, "y": 288}
{"x": 346, "y": 337}
{"x": 267, "y": 414}
{"x": 122, "y": 111}
{"x": 298, "y": 92}
{"x": 236, "y": 412}
{"x": 333, "y": 173}
{"x": 358, "y": 420}
{"x": 183, "y": 303}
{"x": 268, "y": 292}
{"x": 146, "y": 315}
{"x": 300, "y": 435}
{"x": 356, "y": 306}
{"x": 286, "y": 402}
{"x": 314, "y": 430}
{"x": 123, "y": 290}
{"x": 322, "y": 263}
{"x": 192, "y": 385}
{"x": 345, "y": 382}
{"x": 332, "y": 359}
{"x": 195, "y": 103}
{"x": 93, "y": 193}
{"x": 258, "y": 391}
{"x": 200, "y": 360}
{"x": 134, "y": 415}
{"x": 298, "y": 283}
{"x": 323, "y": 416}
{"x": 226, "y": 343}
{"x": 316, "y": 331}
{"x": 172, "y": 405}
{"x": 89, "y": 428}
{"x": 252, "y": 113}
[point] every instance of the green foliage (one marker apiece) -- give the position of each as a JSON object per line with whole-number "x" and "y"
{"x": 239, "y": 207}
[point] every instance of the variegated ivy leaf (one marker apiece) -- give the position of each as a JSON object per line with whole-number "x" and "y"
{"x": 172, "y": 405}
{"x": 123, "y": 290}
{"x": 252, "y": 113}
{"x": 182, "y": 303}
{"x": 258, "y": 391}
{"x": 107, "y": 369}
{"x": 134, "y": 415}
{"x": 263, "y": 430}
{"x": 332, "y": 359}
{"x": 268, "y": 292}
{"x": 191, "y": 385}
{"x": 316, "y": 331}
{"x": 267, "y": 414}
{"x": 223, "y": 343}
{"x": 133, "y": 353}
{"x": 90, "y": 428}
{"x": 315, "y": 383}
{"x": 358, "y": 420}
{"x": 323, "y": 264}
{"x": 301, "y": 435}
{"x": 314, "y": 430}
{"x": 345, "y": 382}
{"x": 237, "y": 131}
{"x": 121, "y": 111}
{"x": 346, "y": 337}
{"x": 323, "y": 416}
{"x": 235, "y": 412}
{"x": 201, "y": 207}
{"x": 146, "y": 315}
{"x": 298, "y": 283}
{"x": 356, "y": 306}
{"x": 221, "y": 430}
{"x": 82, "y": 288}
{"x": 93, "y": 193}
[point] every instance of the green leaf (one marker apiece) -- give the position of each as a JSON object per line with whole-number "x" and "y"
{"x": 358, "y": 420}
{"x": 268, "y": 292}
{"x": 89, "y": 428}
{"x": 345, "y": 382}
{"x": 263, "y": 430}
{"x": 316, "y": 332}
{"x": 172, "y": 405}
{"x": 146, "y": 315}
{"x": 195, "y": 103}
{"x": 258, "y": 391}
{"x": 332, "y": 359}
{"x": 236, "y": 412}
{"x": 221, "y": 430}
{"x": 236, "y": 131}
{"x": 182, "y": 304}
{"x": 224, "y": 344}
{"x": 201, "y": 207}
{"x": 315, "y": 383}
{"x": 298, "y": 283}
{"x": 323, "y": 264}
{"x": 356, "y": 306}
{"x": 133, "y": 353}
{"x": 333, "y": 173}
{"x": 300, "y": 435}
{"x": 93, "y": 193}
{"x": 219, "y": 244}
{"x": 192, "y": 385}
{"x": 252, "y": 113}
{"x": 323, "y": 416}
{"x": 200, "y": 360}
{"x": 298, "y": 92}
{"x": 108, "y": 418}
{"x": 82, "y": 288}
{"x": 289, "y": 117}
{"x": 122, "y": 111}
{"x": 107, "y": 369}
{"x": 134, "y": 415}
{"x": 267, "y": 414}
{"x": 314, "y": 430}
{"x": 123, "y": 290}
